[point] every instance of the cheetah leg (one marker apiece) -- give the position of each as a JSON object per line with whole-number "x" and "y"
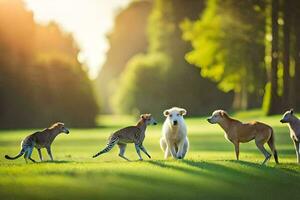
{"x": 40, "y": 154}
{"x": 49, "y": 152}
{"x": 122, "y": 148}
{"x": 29, "y": 154}
{"x": 138, "y": 151}
{"x": 144, "y": 150}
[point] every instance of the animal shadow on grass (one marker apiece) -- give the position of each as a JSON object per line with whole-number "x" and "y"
{"x": 226, "y": 173}
{"x": 212, "y": 173}
{"x": 165, "y": 188}
{"x": 252, "y": 180}
{"x": 278, "y": 168}
{"x": 248, "y": 164}
{"x": 216, "y": 169}
{"x": 57, "y": 161}
{"x": 199, "y": 168}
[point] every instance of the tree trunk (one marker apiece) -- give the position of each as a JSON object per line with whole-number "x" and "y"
{"x": 286, "y": 103}
{"x": 297, "y": 54}
{"x": 237, "y": 99}
{"x": 240, "y": 100}
{"x": 244, "y": 99}
{"x": 274, "y": 104}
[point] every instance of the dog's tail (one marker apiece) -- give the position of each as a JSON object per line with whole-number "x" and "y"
{"x": 271, "y": 144}
{"x": 17, "y": 156}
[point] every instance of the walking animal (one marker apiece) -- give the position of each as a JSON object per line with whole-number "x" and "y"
{"x": 238, "y": 132}
{"x": 130, "y": 134}
{"x": 174, "y": 140}
{"x": 294, "y": 126}
{"x": 40, "y": 139}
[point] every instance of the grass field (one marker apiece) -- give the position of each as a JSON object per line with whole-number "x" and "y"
{"x": 208, "y": 172}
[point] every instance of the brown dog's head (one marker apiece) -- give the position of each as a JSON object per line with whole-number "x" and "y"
{"x": 60, "y": 127}
{"x": 288, "y": 116}
{"x": 217, "y": 116}
{"x": 148, "y": 119}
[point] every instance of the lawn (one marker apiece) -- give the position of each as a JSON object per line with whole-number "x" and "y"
{"x": 208, "y": 172}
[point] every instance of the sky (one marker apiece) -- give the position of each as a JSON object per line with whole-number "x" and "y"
{"x": 88, "y": 20}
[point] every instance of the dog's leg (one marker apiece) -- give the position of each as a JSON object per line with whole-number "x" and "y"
{"x": 261, "y": 147}
{"x": 40, "y": 154}
{"x": 185, "y": 147}
{"x": 171, "y": 149}
{"x": 167, "y": 152}
{"x": 122, "y": 148}
{"x": 237, "y": 149}
{"x": 163, "y": 144}
{"x": 164, "y": 147}
{"x": 296, "y": 144}
{"x": 180, "y": 149}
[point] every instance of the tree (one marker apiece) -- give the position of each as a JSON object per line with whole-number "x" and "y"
{"x": 60, "y": 92}
{"x": 143, "y": 86}
{"x": 286, "y": 53}
{"x": 127, "y": 38}
{"x": 15, "y": 57}
{"x": 66, "y": 88}
{"x": 274, "y": 104}
{"x": 41, "y": 80}
{"x": 162, "y": 78}
{"x": 228, "y": 47}
{"x": 296, "y": 56}
{"x": 51, "y": 42}
{"x": 283, "y": 87}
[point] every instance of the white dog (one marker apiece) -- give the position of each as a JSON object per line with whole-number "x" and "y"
{"x": 294, "y": 126}
{"x": 174, "y": 140}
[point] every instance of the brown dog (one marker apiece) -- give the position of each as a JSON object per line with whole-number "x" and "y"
{"x": 238, "y": 132}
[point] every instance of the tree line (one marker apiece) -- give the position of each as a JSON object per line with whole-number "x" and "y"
{"x": 252, "y": 46}
{"x": 208, "y": 54}
{"x": 41, "y": 81}
{"x": 284, "y": 53}
{"x": 158, "y": 77}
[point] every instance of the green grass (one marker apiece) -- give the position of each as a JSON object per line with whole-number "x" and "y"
{"x": 208, "y": 172}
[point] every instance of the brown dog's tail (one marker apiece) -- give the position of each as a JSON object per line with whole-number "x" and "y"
{"x": 271, "y": 144}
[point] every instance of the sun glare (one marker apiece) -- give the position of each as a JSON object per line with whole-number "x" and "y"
{"x": 88, "y": 21}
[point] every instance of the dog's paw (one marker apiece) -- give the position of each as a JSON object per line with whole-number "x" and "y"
{"x": 179, "y": 156}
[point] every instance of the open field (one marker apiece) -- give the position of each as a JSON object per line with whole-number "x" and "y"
{"x": 208, "y": 172}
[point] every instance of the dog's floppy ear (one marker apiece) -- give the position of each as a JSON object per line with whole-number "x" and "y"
{"x": 292, "y": 111}
{"x": 166, "y": 113}
{"x": 182, "y": 111}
